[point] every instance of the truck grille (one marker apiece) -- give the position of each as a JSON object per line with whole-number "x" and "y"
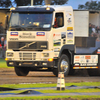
{"x": 28, "y": 45}
{"x": 27, "y": 56}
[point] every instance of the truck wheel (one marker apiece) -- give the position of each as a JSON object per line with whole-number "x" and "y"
{"x": 63, "y": 64}
{"x": 71, "y": 71}
{"x": 21, "y": 71}
{"x": 55, "y": 71}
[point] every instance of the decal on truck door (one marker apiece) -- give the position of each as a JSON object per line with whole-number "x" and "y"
{"x": 57, "y": 39}
{"x": 69, "y": 28}
{"x": 69, "y": 37}
{"x": 69, "y": 18}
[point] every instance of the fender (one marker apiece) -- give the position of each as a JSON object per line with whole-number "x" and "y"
{"x": 67, "y": 47}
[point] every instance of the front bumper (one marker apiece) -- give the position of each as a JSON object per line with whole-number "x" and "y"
{"x": 45, "y": 64}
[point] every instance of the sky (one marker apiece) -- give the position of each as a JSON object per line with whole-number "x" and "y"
{"x": 75, "y": 3}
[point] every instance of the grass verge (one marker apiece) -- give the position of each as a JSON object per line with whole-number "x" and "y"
{"x": 56, "y": 91}
{"x": 48, "y": 85}
{"x": 51, "y": 97}
{"x": 71, "y": 91}
{"x": 3, "y": 64}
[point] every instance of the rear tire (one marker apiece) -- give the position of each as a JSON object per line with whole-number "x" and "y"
{"x": 21, "y": 71}
{"x": 64, "y": 65}
{"x": 71, "y": 71}
{"x": 93, "y": 72}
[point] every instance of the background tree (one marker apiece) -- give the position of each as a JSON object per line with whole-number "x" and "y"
{"x": 9, "y": 3}
{"x": 59, "y": 2}
{"x": 5, "y": 3}
{"x": 93, "y": 5}
{"x": 27, "y": 2}
{"x": 39, "y": 2}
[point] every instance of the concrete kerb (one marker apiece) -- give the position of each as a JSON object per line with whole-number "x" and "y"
{"x": 52, "y": 94}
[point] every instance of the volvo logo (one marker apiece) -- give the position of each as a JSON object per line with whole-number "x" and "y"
{"x": 27, "y": 45}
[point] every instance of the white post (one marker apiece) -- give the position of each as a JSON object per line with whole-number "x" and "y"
{"x": 32, "y": 2}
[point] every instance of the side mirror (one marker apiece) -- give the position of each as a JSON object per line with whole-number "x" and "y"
{"x": 60, "y": 21}
{"x": 6, "y": 22}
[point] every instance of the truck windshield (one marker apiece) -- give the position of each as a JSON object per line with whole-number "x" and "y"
{"x": 30, "y": 21}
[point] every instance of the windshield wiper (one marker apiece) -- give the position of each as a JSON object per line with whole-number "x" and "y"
{"x": 18, "y": 26}
{"x": 32, "y": 26}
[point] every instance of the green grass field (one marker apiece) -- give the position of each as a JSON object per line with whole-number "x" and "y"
{"x": 49, "y": 85}
{"x": 70, "y": 91}
{"x": 56, "y": 91}
{"x": 3, "y": 64}
{"x": 53, "y": 98}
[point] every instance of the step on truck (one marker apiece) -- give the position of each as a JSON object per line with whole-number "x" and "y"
{"x": 52, "y": 38}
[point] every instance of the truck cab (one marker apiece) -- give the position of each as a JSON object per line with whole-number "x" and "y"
{"x": 42, "y": 38}
{"x": 36, "y": 35}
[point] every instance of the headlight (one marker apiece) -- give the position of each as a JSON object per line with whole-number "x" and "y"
{"x": 12, "y": 8}
{"x": 45, "y": 54}
{"x": 9, "y": 54}
{"x": 47, "y": 8}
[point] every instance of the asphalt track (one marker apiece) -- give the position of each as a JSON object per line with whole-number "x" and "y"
{"x": 52, "y": 94}
{"x": 8, "y": 76}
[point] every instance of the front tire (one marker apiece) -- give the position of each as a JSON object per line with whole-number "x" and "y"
{"x": 55, "y": 71}
{"x": 21, "y": 71}
{"x": 64, "y": 65}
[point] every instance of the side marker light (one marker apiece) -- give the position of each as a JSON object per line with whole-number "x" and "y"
{"x": 50, "y": 59}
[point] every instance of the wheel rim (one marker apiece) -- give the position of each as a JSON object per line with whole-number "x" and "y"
{"x": 64, "y": 65}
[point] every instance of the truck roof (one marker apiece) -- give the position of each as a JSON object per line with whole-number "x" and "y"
{"x": 38, "y": 8}
{"x": 90, "y": 11}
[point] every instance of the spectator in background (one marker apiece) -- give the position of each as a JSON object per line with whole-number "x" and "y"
{"x": 2, "y": 44}
{"x": 1, "y": 28}
{"x": 1, "y": 31}
{"x": 94, "y": 31}
{"x": 97, "y": 29}
{"x": 90, "y": 29}
{"x": 5, "y": 44}
{"x": 98, "y": 33}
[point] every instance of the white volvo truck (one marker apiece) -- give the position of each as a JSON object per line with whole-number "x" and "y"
{"x": 52, "y": 38}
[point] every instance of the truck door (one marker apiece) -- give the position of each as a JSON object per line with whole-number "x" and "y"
{"x": 58, "y": 29}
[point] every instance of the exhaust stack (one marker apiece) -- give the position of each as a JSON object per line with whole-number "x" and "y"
{"x": 48, "y": 2}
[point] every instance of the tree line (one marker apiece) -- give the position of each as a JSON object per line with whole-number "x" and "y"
{"x": 89, "y": 5}
{"x": 93, "y": 5}
{"x": 11, "y": 3}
